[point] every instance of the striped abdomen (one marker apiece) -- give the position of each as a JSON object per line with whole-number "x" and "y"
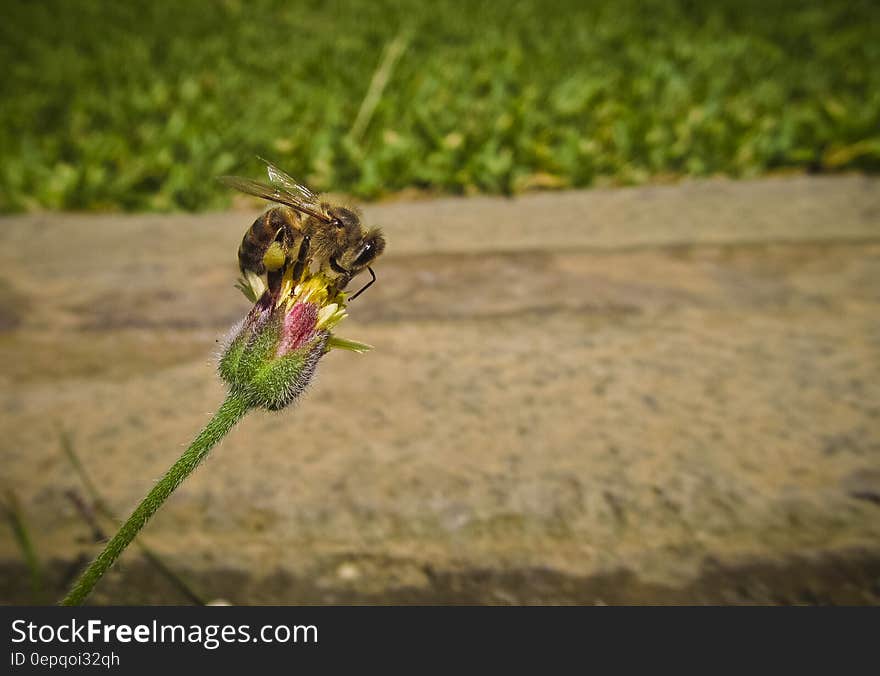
{"x": 278, "y": 224}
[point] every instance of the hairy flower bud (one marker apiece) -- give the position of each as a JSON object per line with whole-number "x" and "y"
{"x": 271, "y": 355}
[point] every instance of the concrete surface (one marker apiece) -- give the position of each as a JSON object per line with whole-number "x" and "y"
{"x": 662, "y": 394}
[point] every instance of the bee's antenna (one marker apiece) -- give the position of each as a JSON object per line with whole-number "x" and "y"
{"x": 366, "y": 286}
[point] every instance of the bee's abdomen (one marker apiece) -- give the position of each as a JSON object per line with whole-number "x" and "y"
{"x": 272, "y": 225}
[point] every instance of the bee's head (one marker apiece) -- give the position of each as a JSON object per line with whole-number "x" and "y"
{"x": 354, "y": 247}
{"x": 367, "y": 250}
{"x": 358, "y": 258}
{"x": 349, "y": 248}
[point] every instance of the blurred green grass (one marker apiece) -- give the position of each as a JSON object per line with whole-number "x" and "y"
{"x": 137, "y": 106}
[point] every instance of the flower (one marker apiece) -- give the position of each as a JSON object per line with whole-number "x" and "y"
{"x": 270, "y": 356}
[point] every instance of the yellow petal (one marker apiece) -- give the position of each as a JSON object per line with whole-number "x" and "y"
{"x": 325, "y": 313}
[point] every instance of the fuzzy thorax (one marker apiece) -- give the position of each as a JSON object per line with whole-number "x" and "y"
{"x": 271, "y": 356}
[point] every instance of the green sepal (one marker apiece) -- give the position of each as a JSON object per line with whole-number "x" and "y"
{"x": 344, "y": 344}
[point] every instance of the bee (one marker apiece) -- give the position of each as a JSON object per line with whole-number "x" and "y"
{"x": 304, "y": 231}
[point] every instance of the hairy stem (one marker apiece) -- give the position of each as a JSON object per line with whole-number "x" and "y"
{"x": 229, "y": 413}
{"x": 100, "y": 508}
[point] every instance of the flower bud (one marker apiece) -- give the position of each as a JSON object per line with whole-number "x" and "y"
{"x": 271, "y": 355}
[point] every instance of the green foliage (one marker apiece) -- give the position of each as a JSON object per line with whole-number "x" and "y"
{"x": 110, "y": 105}
{"x": 21, "y": 533}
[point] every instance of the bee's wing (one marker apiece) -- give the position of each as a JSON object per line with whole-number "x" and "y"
{"x": 279, "y": 178}
{"x": 282, "y": 194}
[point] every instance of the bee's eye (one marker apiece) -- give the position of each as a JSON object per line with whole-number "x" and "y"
{"x": 365, "y": 255}
{"x": 336, "y": 223}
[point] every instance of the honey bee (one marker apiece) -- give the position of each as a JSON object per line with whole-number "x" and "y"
{"x": 304, "y": 231}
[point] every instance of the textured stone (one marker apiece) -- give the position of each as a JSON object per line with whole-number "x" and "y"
{"x": 662, "y": 394}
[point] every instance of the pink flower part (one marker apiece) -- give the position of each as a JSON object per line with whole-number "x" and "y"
{"x": 298, "y": 328}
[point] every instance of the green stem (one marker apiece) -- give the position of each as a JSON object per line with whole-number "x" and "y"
{"x": 230, "y": 412}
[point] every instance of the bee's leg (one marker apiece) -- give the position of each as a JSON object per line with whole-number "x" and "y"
{"x": 338, "y": 284}
{"x": 341, "y": 277}
{"x": 301, "y": 257}
{"x": 273, "y": 281}
{"x": 365, "y": 286}
{"x": 275, "y": 257}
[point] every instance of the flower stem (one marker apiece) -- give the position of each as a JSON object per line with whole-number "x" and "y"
{"x": 230, "y": 412}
